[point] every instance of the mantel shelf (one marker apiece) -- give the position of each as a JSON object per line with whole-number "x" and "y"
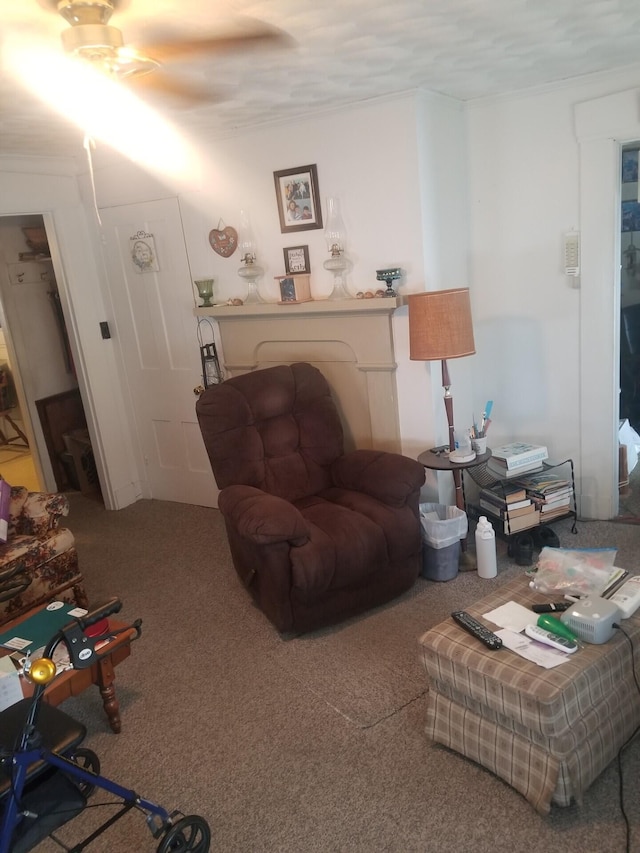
{"x": 326, "y": 307}
{"x": 349, "y": 340}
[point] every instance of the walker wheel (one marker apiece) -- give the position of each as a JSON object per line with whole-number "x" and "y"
{"x": 191, "y": 834}
{"x": 88, "y": 760}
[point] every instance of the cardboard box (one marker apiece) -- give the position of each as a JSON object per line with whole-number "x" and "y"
{"x": 78, "y": 445}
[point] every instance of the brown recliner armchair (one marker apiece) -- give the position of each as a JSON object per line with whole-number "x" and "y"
{"x": 315, "y": 534}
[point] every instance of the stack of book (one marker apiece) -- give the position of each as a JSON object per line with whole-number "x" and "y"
{"x": 510, "y": 504}
{"x": 551, "y": 495}
{"x": 517, "y": 458}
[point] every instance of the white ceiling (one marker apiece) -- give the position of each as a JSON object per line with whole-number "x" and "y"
{"x": 345, "y": 51}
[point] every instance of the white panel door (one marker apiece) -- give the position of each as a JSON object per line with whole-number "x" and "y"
{"x": 156, "y": 330}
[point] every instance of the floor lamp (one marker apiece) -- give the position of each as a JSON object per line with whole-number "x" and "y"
{"x": 440, "y": 328}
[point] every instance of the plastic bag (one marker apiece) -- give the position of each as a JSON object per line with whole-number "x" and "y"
{"x": 442, "y": 525}
{"x": 578, "y": 571}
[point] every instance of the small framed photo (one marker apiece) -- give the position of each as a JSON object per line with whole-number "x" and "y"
{"x": 298, "y": 196}
{"x": 296, "y": 259}
{"x": 143, "y": 252}
{"x": 294, "y": 288}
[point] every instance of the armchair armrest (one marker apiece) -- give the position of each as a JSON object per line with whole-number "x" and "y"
{"x": 262, "y": 518}
{"x": 388, "y": 477}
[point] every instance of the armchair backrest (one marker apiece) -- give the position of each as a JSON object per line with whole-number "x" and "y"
{"x": 277, "y": 429}
{"x": 35, "y": 513}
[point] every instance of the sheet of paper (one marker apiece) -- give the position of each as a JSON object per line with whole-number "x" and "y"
{"x": 536, "y": 652}
{"x": 10, "y": 688}
{"x": 38, "y": 629}
{"x": 513, "y": 616}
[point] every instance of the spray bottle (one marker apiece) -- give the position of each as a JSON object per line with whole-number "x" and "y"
{"x": 486, "y": 549}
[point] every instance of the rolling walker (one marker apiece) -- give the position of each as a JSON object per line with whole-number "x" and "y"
{"x": 46, "y": 777}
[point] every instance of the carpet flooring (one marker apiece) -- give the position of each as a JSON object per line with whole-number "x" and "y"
{"x": 306, "y": 744}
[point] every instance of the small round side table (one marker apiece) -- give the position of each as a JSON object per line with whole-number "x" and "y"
{"x": 437, "y": 460}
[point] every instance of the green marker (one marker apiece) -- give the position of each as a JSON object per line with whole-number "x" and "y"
{"x": 550, "y": 623}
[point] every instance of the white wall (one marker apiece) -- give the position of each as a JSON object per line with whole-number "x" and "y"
{"x": 479, "y": 195}
{"x": 384, "y": 161}
{"x": 531, "y": 321}
{"x": 32, "y": 185}
{"x": 400, "y": 168}
{"x": 32, "y": 321}
{"x": 523, "y": 159}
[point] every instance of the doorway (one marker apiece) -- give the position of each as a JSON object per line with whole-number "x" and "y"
{"x": 630, "y": 288}
{"x": 35, "y": 360}
{"x": 629, "y": 438}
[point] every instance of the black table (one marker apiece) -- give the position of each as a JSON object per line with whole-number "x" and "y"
{"x": 437, "y": 460}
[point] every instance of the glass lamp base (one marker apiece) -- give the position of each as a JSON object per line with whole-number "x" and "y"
{"x": 253, "y": 294}
{"x": 339, "y": 291}
{"x": 337, "y": 265}
{"x": 251, "y": 273}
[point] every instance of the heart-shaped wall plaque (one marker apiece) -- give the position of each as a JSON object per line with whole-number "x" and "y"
{"x": 224, "y": 241}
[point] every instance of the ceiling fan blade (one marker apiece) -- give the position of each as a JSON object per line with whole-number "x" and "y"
{"x": 263, "y": 36}
{"x": 181, "y": 92}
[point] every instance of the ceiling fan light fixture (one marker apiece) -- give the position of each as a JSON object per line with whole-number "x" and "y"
{"x": 129, "y": 63}
{"x": 87, "y": 39}
{"x": 90, "y": 37}
{"x": 104, "y": 46}
{"x": 84, "y": 11}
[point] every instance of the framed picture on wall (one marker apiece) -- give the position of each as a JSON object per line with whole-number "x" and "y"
{"x": 143, "y": 252}
{"x": 629, "y": 166}
{"x": 630, "y": 216}
{"x": 298, "y": 196}
{"x": 296, "y": 259}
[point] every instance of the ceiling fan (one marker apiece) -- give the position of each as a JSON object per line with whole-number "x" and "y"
{"x": 91, "y": 37}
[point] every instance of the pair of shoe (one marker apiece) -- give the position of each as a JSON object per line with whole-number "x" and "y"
{"x": 544, "y": 536}
{"x": 538, "y": 538}
{"x": 523, "y": 549}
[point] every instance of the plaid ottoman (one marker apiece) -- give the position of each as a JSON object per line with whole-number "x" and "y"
{"x": 547, "y": 732}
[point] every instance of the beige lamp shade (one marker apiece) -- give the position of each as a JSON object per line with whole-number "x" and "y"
{"x": 440, "y": 325}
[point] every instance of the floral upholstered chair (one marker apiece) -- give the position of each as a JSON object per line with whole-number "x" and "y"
{"x": 39, "y": 562}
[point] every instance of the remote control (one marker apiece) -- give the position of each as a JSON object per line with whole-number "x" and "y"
{"x": 466, "y": 621}
{"x": 557, "y": 606}
{"x": 550, "y": 639}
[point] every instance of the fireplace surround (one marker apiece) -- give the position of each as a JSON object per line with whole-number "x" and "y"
{"x": 350, "y": 341}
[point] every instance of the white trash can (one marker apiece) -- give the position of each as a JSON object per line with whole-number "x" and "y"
{"x": 442, "y": 529}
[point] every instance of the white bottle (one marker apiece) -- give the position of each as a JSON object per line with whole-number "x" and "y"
{"x": 486, "y": 549}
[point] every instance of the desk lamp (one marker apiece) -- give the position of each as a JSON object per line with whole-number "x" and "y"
{"x": 440, "y": 328}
